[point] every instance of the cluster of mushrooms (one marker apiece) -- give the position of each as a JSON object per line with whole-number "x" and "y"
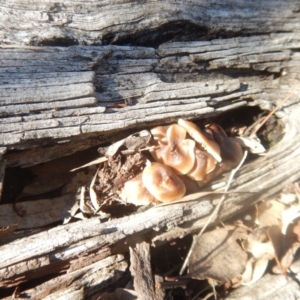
{"x": 184, "y": 156}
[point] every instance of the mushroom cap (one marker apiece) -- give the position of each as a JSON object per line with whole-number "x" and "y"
{"x": 232, "y": 154}
{"x": 217, "y": 132}
{"x": 231, "y": 151}
{"x": 211, "y": 163}
{"x": 204, "y": 164}
{"x": 180, "y": 157}
{"x": 175, "y": 134}
{"x": 178, "y": 152}
{"x": 208, "y": 177}
{"x": 159, "y": 132}
{"x": 199, "y": 169}
{"x": 208, "y": 144}
{"x": 190, "y": 184}
{"x": 158, "y": 150}
{"x": 162, "y": 182}
{"x": 135, "y": 192}
{"x": 215, "y": 128}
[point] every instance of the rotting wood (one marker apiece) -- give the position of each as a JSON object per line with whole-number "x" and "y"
{"x": 274, "y": 173}
{"x": 37, "y": 213}
{"x": 143, "y": 278}
{"x": 187, "y": 90}
{"x": 122, "y": 22}
{"x": 2, "y": 173}
{"x": 95, "y": 277}
{"x": 77, "y": 234}
{"x": 120, "y": 294}
{"x": 186, "y": 79}
{"x": 178, "y": 219}
{"x": 269, "y": 287}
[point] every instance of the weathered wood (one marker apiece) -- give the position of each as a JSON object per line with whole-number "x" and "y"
{"x": 92, "y": 22}
{"x": 56, "y": 101}
{"x": 274, "y": 174}
{"x": 99, "y": 234}
{"x": 270, "y": 287}
{"x": 37, "y": 213}
{"x": 2, "y": 173}
{"x": 95, "y": 277}
{"x": 157, "y": 86}
{"x": 143, "y": 278}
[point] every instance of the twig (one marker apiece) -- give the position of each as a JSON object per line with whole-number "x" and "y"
{"x": 214, "y": 213}
{"x": 279, "y": 105}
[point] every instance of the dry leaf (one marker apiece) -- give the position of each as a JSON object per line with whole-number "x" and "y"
{"x": 296, "y": 229}
{"x": 278, "y": 242}
{"x": 256, "y": 247}
{"x": 84, "y": 207}
{"x": 288, "y": 216}
{"x": 287, "y": 259}
{"x": 262, "y": 251}
{"x": 91, "y": 163}
{"x": 294, "y": 268}
{"x": 259, "y": 267}
{"x": 93, "y": 195}
{"x": 217, "y": 255}
{"x": 252, "y": 144}
{"x": 71, "y": 213}
{"x": 247, "y": 274}
{"x": 269, "y": 213}
{"x": 80, "y": 216}
{"x": 82, "y": 178}
{"x": 288, "y": 198}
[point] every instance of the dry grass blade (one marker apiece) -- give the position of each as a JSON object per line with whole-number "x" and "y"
{"x": 91, "y": 163}
{"x": 93, "y": 195}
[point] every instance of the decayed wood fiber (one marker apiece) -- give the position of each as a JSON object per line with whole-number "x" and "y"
{"x": 189, "y": 80}
{"x": 70, "y": 243}
{"x": 91, "y": 22}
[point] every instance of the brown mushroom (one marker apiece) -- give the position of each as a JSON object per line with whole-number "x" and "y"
{"x": 159, "y": 132}
{"x": 162, "y": 182}
{"x": 178, "y": 152}
{"x": 190, "y": 184}
{"x": 203, "y": 140}
{"x": 231, "y": 151}
{"x": 136, "y": 193}
{"x": 204, "y": 164}
{"x": 210, "y": 176}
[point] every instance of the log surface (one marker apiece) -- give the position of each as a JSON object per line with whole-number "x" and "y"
{"x": 134, "y": 87}
{"x": 90, "y": 22}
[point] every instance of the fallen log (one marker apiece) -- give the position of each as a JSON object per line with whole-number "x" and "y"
{"x": 57, "y": 101}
